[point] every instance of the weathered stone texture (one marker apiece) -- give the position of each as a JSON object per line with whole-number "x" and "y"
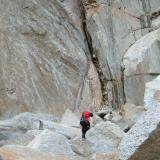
{"x": 142, "y": 64}
{"x": 113, "y": 27}
{"x": 25, "y": 153}
{"x": 143, "y": 140}
{"x": 152, "y": 93}
{"x": 43, "y": 61}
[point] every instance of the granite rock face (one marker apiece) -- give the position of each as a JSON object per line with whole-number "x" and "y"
{"x": 71, "y": 54}
{"x": 79, "y": 55}
{"x": 43, "y": 57}
{"x": 113, "y": 27}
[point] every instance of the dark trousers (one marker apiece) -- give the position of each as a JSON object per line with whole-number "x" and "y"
{"x": 85, "y": 128}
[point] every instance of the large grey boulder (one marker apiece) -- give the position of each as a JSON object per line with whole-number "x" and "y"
{"x": 101, "y": 143}
{"x": 70, "y": 119}
{"x": 134, "y": 87}
{"x": 142, "y": 64}
{"x": 51, "y": 142}
{"x": 105, "y": 137}
{"x": 66, "y": 130}
{"x": 16, "y": 128}
{"x": 97, "y": 119}
{"x": 26, "y": 121}
{"x": 22, "y": 139}
{"x": 82, "y": 147}
{"x": 132, "y": 113}
{"x": 143, "y": 56}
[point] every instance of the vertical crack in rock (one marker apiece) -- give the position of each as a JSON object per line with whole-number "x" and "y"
{"x": 81, "y": 89}
{"x": 91, "y": 56}
{"x": 122, "y": 80}
{"x": 111, "y": 91}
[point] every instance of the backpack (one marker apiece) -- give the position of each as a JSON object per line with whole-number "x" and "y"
{"x": 82, "y": 121}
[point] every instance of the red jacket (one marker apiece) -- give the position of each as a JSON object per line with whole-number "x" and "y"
{"x": 86, "y": 115}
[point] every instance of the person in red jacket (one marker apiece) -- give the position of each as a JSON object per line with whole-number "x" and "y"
{"x": 84, "y": 122}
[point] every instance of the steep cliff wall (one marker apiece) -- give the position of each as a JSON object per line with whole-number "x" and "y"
{"x": 75, "y": 54}
{"x": 114, "y": 26}
{"x": 43, "y": 63}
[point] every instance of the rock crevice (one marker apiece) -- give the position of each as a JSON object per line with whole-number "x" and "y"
{"x": 91, "y": 55}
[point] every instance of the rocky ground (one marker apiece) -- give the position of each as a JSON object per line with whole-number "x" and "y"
{"x": 134, "y": 135}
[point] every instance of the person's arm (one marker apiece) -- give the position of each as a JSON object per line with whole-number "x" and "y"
{"x": 94, "y": 121}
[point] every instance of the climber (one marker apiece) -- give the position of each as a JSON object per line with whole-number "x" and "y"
{"x": 85, "y": 122}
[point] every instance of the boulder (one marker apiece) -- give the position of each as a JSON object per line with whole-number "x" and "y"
{"x": 142, "y": 64}
{"x": 132, "y": 113}
{"x": 136, "y": 96}
{"x": 16, "y": 127}
{"x": 116, "y": 116}
{"x": 102, "y": 141}
{"x": 104, "y": 111}
{"x": 70, "y": 119}
{"x": 26, "y": 121}
{"x": 105, "y": 137}
{"x": 68, "y": 131}
{"x": 29, "y": 121}
{"x": 21, "y": 139}
{"x": 152, "y": 93}
{"x": 24, "y": 153}
{"x": 51, "y": 142}
{"x": 142, "y": 140}
{"x": 97, "y": 119}
{"x": 82, "y": 147}
{"x": 143, "y": 56}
